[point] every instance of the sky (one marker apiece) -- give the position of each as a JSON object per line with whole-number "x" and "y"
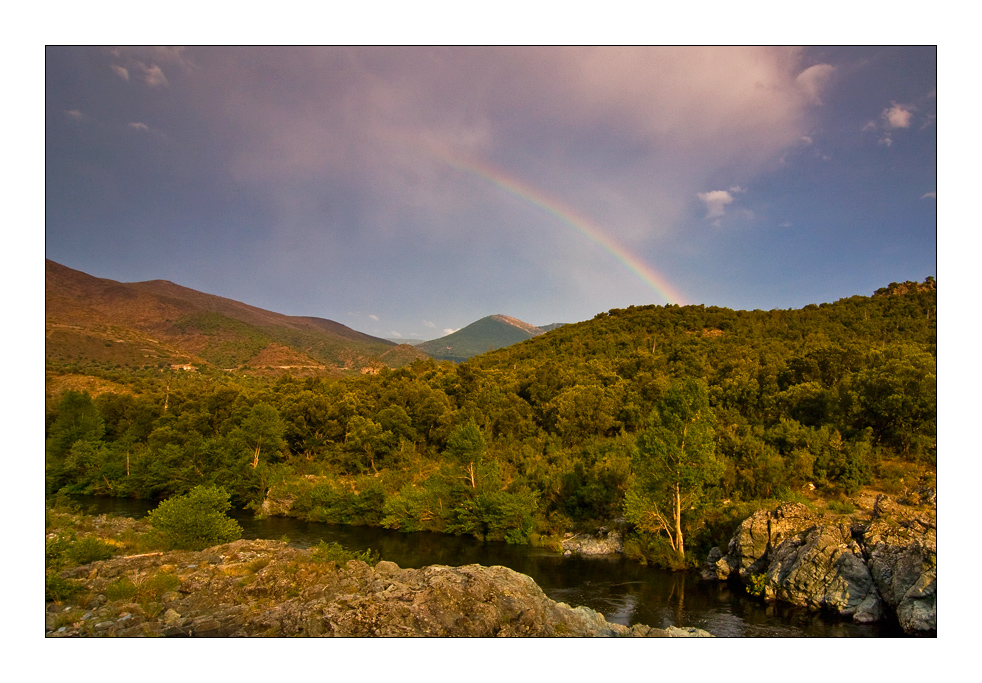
{"x": 407, "y": 192}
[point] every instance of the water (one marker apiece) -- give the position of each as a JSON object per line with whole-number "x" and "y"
{"x": 624, "y": 591}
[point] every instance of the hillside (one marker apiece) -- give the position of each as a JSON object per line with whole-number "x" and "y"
{"x": 487, "y": 334}
{"x": 90, "y": 320}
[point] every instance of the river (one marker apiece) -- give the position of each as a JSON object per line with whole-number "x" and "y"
{"x": 624, "y": 591}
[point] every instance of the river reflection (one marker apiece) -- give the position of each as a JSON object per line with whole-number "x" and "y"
{"x": 624, "y": 591}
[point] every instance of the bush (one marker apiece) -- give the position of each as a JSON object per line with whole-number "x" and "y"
{"x": 334, "y": 552}
{"x": 195, "y": 521}
{"x": 90, "y": 549}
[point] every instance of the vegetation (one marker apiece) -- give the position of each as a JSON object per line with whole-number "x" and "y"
{"x": 195, "y": 521}
{"x": 679, "y": 418}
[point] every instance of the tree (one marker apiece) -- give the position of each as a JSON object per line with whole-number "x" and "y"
{"x": 197, "y": 520}
{"x": 263, "y": 428}
{"x": 78, "y": 420}
{"x": 675, "y": 459}
{"x": 465, "y": 446}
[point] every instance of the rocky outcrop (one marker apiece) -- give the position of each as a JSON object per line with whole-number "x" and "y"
{"x": 603, "y": 543}
{"x": 266, "y": 588}
{"x": 750, "y": 546}
{"x": 902, "y": 554}
{"x": 861, "y": 570}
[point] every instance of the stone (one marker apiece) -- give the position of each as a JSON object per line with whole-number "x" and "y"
{"x": 296, "y": 595}
{"x": 863, "y": 571}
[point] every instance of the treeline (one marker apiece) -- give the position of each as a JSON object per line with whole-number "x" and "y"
{"x": 541, "y": 437}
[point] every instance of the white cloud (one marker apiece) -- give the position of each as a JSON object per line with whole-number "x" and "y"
{"x": 373, "y": 317}
{"x": 886, "y": 140}
{"x": 736, "y": 189}
{"x": 929, "y": 195}
{"x": 428, "y": 324}
{"x": 715, "y": 202}
{"x": 813, "y": 80}
{"x": 74, "y": 114}
{"x": 139, "y": 126}
{"x": 897, "y": 116}
{"x": 806, "y": 140}
{"x": 121, "y": 71}
{"x": 395, "y": 334}
{"x": 448, "y": 330}
{"x": 786, "y": 224}
{"x": 870, "y": 125}
{"x": 153, "y": 75}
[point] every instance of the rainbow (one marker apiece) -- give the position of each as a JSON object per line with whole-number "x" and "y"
{"x": 567, "y": 216}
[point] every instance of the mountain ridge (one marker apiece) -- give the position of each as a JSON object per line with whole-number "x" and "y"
{"x": 159, "y": 322}
{"x": 487, "y": 334}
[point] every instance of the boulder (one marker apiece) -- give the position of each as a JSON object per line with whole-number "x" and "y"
{"x": 747, "y": 552}
{"x": 862, "y": 571}
{"x": 901, "y": 548}
{"x": 604, "y": 543}
{"x": 823, "y": 568}
{"x": 266, "y": 588}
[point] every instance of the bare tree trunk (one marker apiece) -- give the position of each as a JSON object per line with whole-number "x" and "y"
{"x": 678, "y": 521}
{"x": 470, "y": 470}
{"x": 255, "y": 457}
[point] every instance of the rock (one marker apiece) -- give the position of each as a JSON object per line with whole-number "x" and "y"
{"x": 902, "y": 554}
{"x": 823, "y": 568}
{"x": 687, "y": 632}
{"x": 296, "y": 595}
{"x": 862, "y": 571}
{"x": 604, "y": 543}
{"x": 758, "y": 534}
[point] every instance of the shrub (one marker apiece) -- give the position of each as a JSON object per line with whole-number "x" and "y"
{"x": 90, "y": 549}
{"x": 334, "y": 552}
{"x": 195, "y": 521}
{"x": 57, "y": 588}
{"x": 758, "y": 582}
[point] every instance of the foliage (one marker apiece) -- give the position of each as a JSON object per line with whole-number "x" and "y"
{"x": 334, "y": 552}
{"x": 757, "y": 585}
{"x": 195, "y": 521}
{"x": 566, "y": 430}
{"x": 674, "y": 462}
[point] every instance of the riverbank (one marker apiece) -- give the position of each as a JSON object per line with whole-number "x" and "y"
{"x": 268, "y": 588}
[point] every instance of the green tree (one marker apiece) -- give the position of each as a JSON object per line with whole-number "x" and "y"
{"x": 197, "y": 520}
{"x": 465, "y": 446}
{"x": 675, "y": 460}
{"x": 263, "y": 428}
{"x": 78, "y": 420}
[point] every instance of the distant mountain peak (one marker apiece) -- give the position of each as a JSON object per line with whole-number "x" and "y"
{"x": 487, "y": 334}
{"x": 520, "y": 324}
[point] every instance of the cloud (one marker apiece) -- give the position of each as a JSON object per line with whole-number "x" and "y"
{"x": 449, "y": 330}
{"x": 75, "y": 114}
{"x": 715, "y": 202}
{"x": 786, "y": 224}
{"x": 153, "y": 75}
{"x": 812, "y": 81}
{"x": 929, "y": 195}
{"x": 139, "y": 126}
{"x": 897, "y": 116}
{"x": 395, "y": 334}
{"x": 373, "y": 317}
{"x": 806, "y": 140}
{"x": 146, "y": 63}
{"x": 429, "y": 324}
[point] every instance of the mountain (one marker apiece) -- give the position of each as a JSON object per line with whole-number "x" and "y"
{"x": 487, "y": 334}
{"x": 159, "y": 323}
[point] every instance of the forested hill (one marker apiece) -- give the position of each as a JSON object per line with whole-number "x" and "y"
{"x": 487, "y": 334}
{"x": 548, "y": 435}
{"x": 90, "y": 320}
